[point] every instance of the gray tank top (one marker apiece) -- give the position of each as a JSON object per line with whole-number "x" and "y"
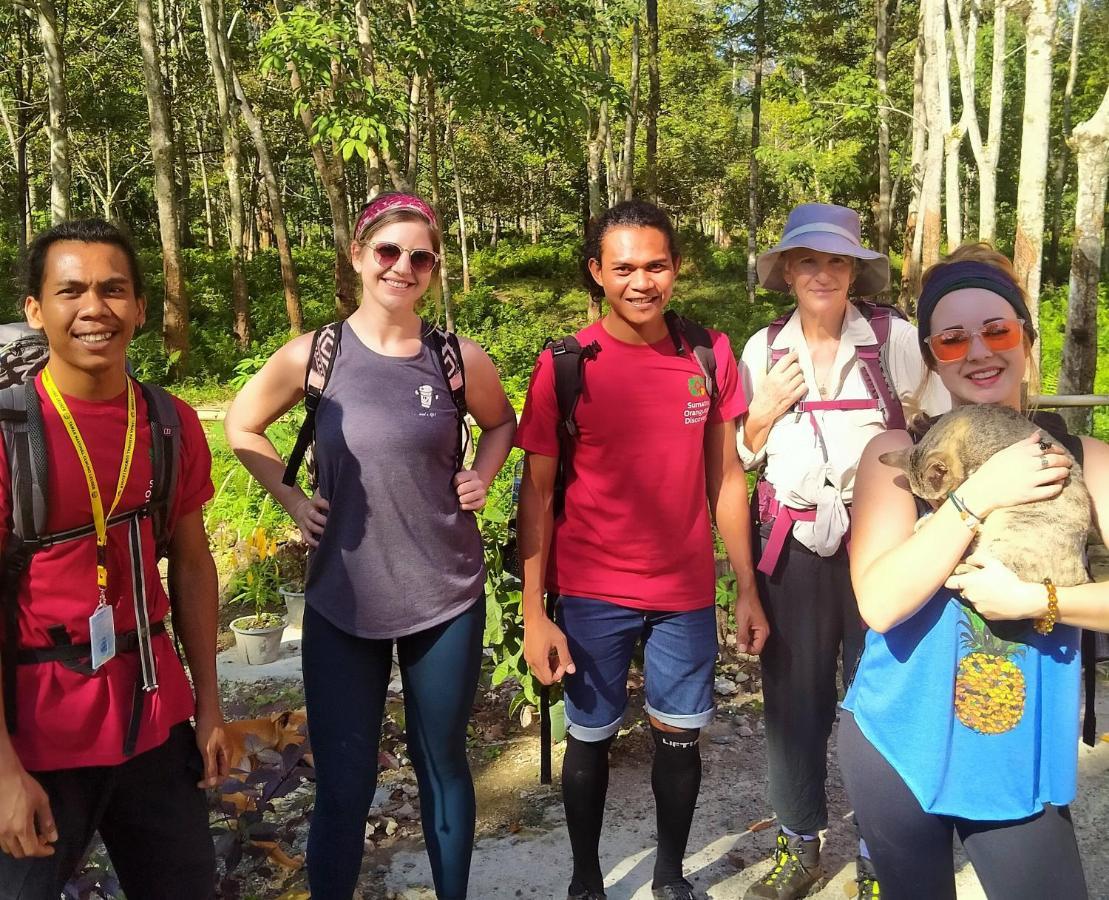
{"x": 398, "y": 555}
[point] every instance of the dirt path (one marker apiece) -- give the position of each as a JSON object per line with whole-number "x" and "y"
{"x": 725, "y": 855}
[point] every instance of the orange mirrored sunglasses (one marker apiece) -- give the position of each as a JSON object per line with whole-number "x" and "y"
{"x": 953, "y": 344}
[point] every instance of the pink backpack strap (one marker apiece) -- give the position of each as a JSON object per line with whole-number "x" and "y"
{"x": 772, "y": 332}
{"x": 873, "y": 367}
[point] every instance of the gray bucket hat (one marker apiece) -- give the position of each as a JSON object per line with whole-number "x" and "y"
{"x": 830, "y": 229}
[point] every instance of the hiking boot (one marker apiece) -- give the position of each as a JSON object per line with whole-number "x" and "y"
{"x": 866, "y": 879}
{"x": 796, "y": 869}
{"x": 679, "y": 890}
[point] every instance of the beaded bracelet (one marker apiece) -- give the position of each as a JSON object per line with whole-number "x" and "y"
{"x": 1045, "y": 623}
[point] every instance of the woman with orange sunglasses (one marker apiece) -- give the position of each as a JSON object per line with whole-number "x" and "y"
{"x": 920, "y": 767}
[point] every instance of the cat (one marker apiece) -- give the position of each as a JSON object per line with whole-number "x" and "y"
{"x": 1038, "y": 540}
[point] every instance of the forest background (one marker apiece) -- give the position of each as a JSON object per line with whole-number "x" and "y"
{"x": 236, "y": 140}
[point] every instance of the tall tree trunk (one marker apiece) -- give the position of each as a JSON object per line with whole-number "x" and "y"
{"x": 985, "y": 155}
{"x": 232, "y": 167}
{"x": 913, "y": 243}
{"x": 346, "y": 279}
{"x": 175, "y": 317}
{"x": 57, "y": 126}
{"x": 627, "y": 179}
{"x": 654, "y": 92}
{"x": 952, "y": 134}
{"x": 19, "y": 162}
{"x": 462, "y": 238}
{"x": 436, "y": 198}
{"x": 753, "y": 162}
{"x": 930, "y": 197}
{"x": 881, "y": 53}
{"x": 364, "y": 31}
{"x": 1090, "y": 142}
{"x": 1062, "y": 155}
{"x": 210, "y": 236}
{"x": 289, "y": 282}
{"x": 1039, "y": 34}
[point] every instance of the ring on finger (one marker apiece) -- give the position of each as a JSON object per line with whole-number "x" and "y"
{"x": 1044, "y": 445}
{"x": 1044, "y": 462}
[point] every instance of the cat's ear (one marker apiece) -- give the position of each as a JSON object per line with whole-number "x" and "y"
{"x": 899, "y": 459}
{"x": 937, "y": 475}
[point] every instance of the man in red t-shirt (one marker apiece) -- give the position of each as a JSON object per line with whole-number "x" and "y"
{"x": 631, "y": 554}
{"x": 91, "y": 752}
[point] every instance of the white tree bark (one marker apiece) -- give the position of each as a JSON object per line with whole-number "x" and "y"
{"x": 986, "y": 153}
{"x": 56, "y": 128}
{"x": 913, "y": 239}
{"x": 1090, "y": 143}
{"x": 1039, "y": 33}
{"x": 930, "y": 198}
{"x": 952, "y": 133}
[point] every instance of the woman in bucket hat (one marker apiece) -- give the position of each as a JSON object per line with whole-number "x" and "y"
{"x": 823, "y": 380}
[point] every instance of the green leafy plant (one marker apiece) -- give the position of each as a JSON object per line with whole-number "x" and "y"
{"x": 256, "y": 584}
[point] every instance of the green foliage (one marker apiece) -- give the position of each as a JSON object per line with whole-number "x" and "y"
{"x": 504, "y": 618}
{"x": 558, "y": 262}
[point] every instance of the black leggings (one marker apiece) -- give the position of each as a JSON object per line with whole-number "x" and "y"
{"x": 345, "y": 683}
{"x": 1026, "y": 859}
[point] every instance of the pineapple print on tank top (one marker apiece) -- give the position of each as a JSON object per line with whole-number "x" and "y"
{"x": 989, "y": 685}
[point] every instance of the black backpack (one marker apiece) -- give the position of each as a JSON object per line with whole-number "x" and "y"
{"x": 569, "y": 358}
{"x": 321, "y": 360}
{"x": 21, "y": 423}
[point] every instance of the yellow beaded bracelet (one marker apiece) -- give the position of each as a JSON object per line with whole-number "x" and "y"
{"x": 1045, "y": 623}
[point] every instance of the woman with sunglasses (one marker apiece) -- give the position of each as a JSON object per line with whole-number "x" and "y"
{"x": 948, "y": 727}
{"x": 396, "y": 553}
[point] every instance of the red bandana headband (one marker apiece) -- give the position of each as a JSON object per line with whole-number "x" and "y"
{"x": 384, "y": 204}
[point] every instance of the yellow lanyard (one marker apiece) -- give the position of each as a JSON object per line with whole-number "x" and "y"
{"x": 99, "y": 520}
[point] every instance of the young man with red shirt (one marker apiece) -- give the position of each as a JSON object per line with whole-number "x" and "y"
{"x": 631, "y": 554}
{"x": 90, "y": 752}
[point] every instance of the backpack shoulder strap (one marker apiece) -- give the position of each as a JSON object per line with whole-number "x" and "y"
{"x": 874, "y": 360}
{"x": 25, "y": 444}
{"x": 321, "y": 360}
{"x": 448, "y": 353}
{"x": 165, "y": 446}
{"x": 772, "y": 331}
{"x": 700, "y": 341}
{"x": 568, "y": 358}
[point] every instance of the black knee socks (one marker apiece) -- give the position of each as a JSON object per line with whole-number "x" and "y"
{"x": 676, "y": 779}
{"x": 584, "y": 785}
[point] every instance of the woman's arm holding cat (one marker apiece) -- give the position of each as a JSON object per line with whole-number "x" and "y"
{"x": 998, "y": 593}
{"x": 895, "y": 569}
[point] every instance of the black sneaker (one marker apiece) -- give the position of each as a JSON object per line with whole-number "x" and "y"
{"x": 679, "y": 890}
{"x": 584, "y": 894}
{"x": 796, "y": 869}
{"x": 866, "y": 879}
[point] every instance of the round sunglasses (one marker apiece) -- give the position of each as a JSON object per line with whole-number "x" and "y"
{"x": 953, "y": 344}
{"x": 387, "y": 254}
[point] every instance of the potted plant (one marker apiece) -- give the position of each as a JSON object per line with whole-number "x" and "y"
{"x": 258, "y": 635}
{"x": 292, "y": 565}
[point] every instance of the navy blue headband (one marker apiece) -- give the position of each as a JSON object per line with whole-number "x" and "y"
{"x": 968, "y": 274}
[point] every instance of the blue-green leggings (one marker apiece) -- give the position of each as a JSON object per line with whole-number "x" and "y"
{"x": 345, "y": 682}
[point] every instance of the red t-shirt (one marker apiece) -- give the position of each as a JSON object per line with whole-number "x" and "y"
{"x": 635, "y": 529}
{"x": 66, "y": 719}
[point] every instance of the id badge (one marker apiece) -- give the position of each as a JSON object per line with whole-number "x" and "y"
{"x": 102, "y": 635}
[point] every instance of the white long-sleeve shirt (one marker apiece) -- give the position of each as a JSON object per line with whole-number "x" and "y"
{"x": 793, "y": 456}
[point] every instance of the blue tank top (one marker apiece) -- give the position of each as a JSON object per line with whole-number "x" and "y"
{"x": 978, "y": 727}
